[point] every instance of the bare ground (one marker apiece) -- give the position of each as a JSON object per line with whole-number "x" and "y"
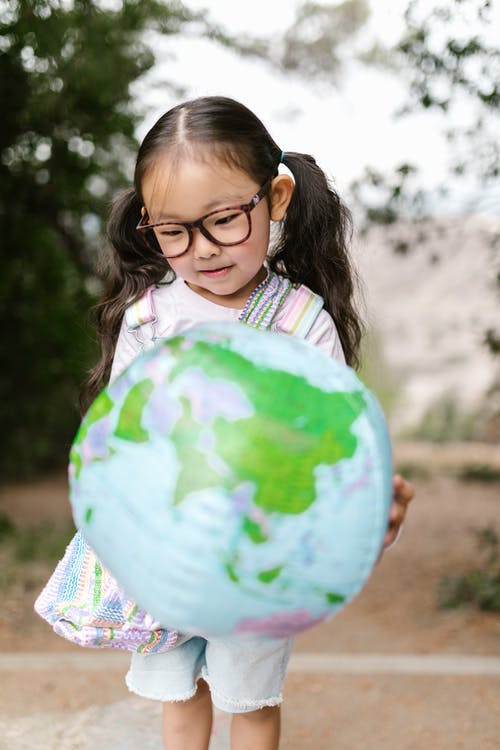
{"x": 395, "y": 613}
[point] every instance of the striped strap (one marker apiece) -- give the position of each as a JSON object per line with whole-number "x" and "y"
{"x": 259, "y": 311}
{"x": 142, "y": 311}
{"x": 302, "y": 312}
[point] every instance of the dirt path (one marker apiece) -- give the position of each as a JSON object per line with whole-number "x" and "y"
{"x": 395, "y": 614}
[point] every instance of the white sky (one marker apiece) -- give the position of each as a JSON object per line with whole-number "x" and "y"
{"x": 345, "y": 128}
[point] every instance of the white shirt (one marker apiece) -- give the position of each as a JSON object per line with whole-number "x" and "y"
{"x": 179, "y": 308}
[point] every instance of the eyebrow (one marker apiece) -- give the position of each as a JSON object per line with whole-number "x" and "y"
{"x": 221, "y": 202}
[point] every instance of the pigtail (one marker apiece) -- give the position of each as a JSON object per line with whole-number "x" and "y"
{"x": 313, "y": 248}
{"x": 131, "y": 265}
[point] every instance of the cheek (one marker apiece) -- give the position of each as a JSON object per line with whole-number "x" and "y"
{"x": 179, "y": 265}
{"x": 260, "y": 237}
{"x": 252, "y": 254}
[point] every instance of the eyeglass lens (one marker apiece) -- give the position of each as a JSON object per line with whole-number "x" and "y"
{"x": 229, "y": 227}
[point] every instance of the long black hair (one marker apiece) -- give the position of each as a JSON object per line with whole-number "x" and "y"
{"x": 311, "y": 247}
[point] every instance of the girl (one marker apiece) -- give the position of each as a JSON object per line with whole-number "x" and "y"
{"x": 196, "y": 230}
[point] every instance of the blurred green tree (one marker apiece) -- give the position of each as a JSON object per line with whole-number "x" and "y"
{"x": 318, "y": 41}
{"x": 449, "y": 58}
{"x": 67, "y": 141}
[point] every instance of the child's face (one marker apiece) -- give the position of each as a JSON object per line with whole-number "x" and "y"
{"x": 225, "y": 275}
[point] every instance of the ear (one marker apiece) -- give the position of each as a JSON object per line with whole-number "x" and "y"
{"x": 280, "y": 195}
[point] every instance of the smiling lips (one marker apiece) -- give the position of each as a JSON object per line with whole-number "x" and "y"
{"x": 215, "y": 272}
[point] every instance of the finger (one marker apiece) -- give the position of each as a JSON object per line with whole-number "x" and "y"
{"x": 392, "y": 535}
{"x": 402, "y": 488}
{"x": 389, "y": 538}
{"x": 397, "y": 514}
{"x": 403, "y": 491}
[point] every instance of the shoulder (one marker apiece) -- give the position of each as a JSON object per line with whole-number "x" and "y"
{"x": 302, "y": 313}
{"x": 160, "y": 307}
{"x": 142, "y": 320}
{"x": 324, "y": 335}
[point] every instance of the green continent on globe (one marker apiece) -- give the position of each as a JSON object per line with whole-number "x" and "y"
{"x": 194, "y": 470}
{"x": 99, "y": 409}
{"x": 279, "y": 447}
{"x": 266, "y": 576}
{"x": 129, "y": 422}
{"x": 253, "y": 530}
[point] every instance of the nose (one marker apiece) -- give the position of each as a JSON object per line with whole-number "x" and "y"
{"x": 202, "y": 247}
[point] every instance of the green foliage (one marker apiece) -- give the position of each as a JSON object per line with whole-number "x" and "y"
{"x": 45, "y": 542}
{"x": 492, "y": 340}
{"x": 376, "y": 373}
{"x": 446, "y": 420}
{"x": 387, "y": 198}
{"x": 479, "y": 588}
{"x": 312, "y": 44}
{"x": 445, "y": 54}
{"x": 25, "y": 552}
{"x": 479, "y": 472}
{"x": 66, "y": 145}
{"x": 413, "y": 470}
{"x": 7, "y": 528}
{"x": 449, "y": 58}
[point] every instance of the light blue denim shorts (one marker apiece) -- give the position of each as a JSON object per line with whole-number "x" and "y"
{"x": 243, "y": 673}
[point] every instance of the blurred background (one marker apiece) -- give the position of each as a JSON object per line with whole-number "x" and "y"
{"x": 399, "y": 103}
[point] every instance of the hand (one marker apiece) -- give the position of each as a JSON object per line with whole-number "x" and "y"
{"x": 402, "y": 494}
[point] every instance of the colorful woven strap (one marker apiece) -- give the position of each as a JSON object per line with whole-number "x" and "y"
{"x": 301, "y": 313}
{"x": 259, "y": 311}
{"x": 265, "y": 301}
{"x": 142, "y": 311}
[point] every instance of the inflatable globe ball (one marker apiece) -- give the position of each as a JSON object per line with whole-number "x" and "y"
{"x": 234, "y": 481}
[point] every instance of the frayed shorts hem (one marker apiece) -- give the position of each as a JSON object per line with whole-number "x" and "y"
{"x": 228, "y": 705}
{"x": 243, "y": 675}
{"x": 160, "y": 695}
{"x": 239, "y": 706}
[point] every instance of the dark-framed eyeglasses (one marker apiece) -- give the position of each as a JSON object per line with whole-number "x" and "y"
{"x": 225, "y": 227}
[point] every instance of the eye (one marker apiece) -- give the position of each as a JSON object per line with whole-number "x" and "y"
{"x": 170, "y": 232}
{"x": 226, "y": 219}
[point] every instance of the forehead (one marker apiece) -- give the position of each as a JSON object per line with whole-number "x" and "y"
{"x": 193, "y": 187}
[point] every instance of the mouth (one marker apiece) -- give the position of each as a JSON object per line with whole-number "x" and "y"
{"x": 215, "y": 272}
